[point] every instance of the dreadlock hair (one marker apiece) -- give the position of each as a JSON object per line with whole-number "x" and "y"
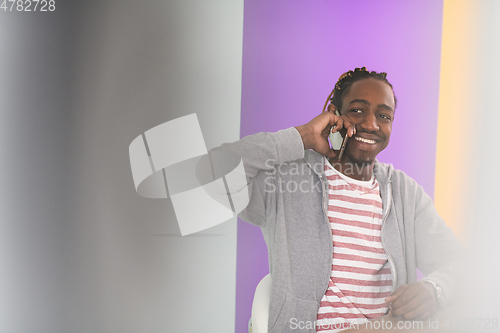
{"x": 347, "y": 79}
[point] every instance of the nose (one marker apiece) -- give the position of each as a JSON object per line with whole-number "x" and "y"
{"x": 369, "y": 123}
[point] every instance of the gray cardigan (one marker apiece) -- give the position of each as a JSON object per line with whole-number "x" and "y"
{"x": 288, "y": 200}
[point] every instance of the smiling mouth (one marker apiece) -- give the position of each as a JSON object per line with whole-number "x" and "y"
{"x": 369, "y": 141}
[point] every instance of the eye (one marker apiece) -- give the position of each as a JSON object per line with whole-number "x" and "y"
{"x": 384, "y": 116}
{"x": 356, "y": 110}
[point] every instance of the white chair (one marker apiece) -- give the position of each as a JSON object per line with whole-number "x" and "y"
{"x": 260, "y": 306}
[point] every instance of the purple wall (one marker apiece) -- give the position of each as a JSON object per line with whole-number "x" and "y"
{"x": 293, "y": 53}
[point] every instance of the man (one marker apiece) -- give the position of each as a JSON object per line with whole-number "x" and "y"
{"x": 345, "y": 237}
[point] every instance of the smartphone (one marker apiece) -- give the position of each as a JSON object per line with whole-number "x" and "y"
{"x": 337, "y": 141}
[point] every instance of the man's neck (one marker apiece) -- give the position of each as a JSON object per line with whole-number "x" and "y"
{"x": 358, "y": 171}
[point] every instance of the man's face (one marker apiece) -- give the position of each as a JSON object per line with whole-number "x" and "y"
{"x": 369, "y": 105}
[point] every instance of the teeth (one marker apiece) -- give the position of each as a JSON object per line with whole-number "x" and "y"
{"x": 365, "y": 140}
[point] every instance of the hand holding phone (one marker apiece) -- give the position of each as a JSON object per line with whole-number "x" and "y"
{"x": 337, "y": 141}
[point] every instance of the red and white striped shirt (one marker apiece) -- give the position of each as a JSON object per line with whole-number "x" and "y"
{"x": 361, "y": 276}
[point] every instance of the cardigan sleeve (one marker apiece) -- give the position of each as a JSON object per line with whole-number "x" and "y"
{"x": 440, "y": 255}
{"x": 260, "y": 153}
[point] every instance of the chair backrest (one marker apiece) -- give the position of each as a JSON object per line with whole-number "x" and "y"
{"x": 260, "y": 306}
